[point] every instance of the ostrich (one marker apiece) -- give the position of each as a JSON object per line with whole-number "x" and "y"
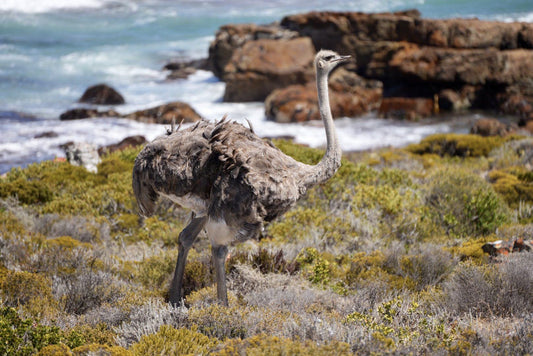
{"x": 231, "y": 179}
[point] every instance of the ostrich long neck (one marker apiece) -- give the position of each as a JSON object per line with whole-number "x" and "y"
{"x": 331, "y": 161}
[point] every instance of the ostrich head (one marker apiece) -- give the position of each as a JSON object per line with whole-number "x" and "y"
{"x": 326, "y": 60}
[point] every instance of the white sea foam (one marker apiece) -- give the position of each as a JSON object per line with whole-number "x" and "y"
{"x": 40, "y": 6}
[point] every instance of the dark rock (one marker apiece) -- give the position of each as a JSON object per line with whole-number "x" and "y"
{"x": 101, "y": 94}
{"x": 130, "y": 141}
{"x": 46, "y": 134}
{"x": 84, "y": 113}
{"x": 453, "y": 101}
{"x": 406, "y": 108}
{"x": 165, "y": 114}
{"x": 261, "y": 66}
{"x": 181, "y": 70}
{"x": 492, "y": 127}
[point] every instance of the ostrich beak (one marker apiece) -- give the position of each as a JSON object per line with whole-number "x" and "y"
{"x": 342, "y": 58}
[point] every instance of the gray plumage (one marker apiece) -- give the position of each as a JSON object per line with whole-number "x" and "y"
{"x": 233, "y": 180}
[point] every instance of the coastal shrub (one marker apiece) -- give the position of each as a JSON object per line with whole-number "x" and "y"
{"x": 272, "y": 345}
{"x": 400, "y": 325}
{"x": 26, "y": 191}
{"x": 299, "y": 152}
{"x": 368, "y": 269}
{"x": 513, "y": 184}
{"x": 220, "y": 322}
{"x": 86, "y": 287}
{"x": 155, "y": 272}
{"x": 24, "y": 336}
{"x": 198, "y": 275}
{"x": 147, "y": 318}
{"x": 82, "y": 334}
{"x": 463, "y": 203}
{"x": 82, "y": 228}
{"x": 426, "y": 265}
{"x": 55, "y": 350}
{"x": 471, "y": 250}
{"x": 263, "y": 260}
{"x": 314, "y": 266}
{"x": 97, "y": 349}
{"x": 513, "y": 153}
{"x": 171, "y": 341}
{"x": 21, "y": 287}
{"x": 486, "y": 290}
{"x": 460, "y": 145}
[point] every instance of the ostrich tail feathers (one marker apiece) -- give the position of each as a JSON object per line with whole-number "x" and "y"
{"x": 145, "y": 194}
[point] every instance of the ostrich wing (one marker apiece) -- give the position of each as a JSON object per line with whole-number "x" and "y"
{"x": 177, "y": 165}
{"x": 258, "y": 181}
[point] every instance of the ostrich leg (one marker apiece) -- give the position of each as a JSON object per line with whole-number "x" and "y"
{"x": 185, "y": 241}
{"x": 219, "y": 256}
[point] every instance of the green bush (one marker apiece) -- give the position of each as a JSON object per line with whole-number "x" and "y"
{"x": 457, "y": 145}
{"x": 170, "y": 341}
{"x": 26, "y": 191}
{"x": 24, "y": 336}
{"x": 272, "y": 345}
{"x": 464, "y": 204}
{"x": 19, "y": 288}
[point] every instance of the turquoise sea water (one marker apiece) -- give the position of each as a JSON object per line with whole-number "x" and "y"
{"x": 51, "y": 50}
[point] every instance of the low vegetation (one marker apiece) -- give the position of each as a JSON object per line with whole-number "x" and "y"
{"x": 384, "y": 258}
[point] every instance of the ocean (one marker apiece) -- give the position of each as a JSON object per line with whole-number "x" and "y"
{"x": 52, "y": 50}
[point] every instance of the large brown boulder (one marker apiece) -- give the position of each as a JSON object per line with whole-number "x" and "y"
{"x": 462, "y": 66}
{"x": 261, "y": 66}
{"x": 406, "y": 108}
{"x": 350, "y": 95}
{"x": 327, "y": 29}
{"x": 492, "y": 127}
{"x": 165, "y": 114}
{"x": 231, "y": 37}
{"x": 101, "y": 94}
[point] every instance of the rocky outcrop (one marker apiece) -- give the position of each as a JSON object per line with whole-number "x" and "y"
{"x": 101, "y": 94}
{"x": 336, "y": 30}
{"x": 259, "y": 67}
{"x": 350, "y": 95}
{"x": 459, "y": 64}
{"x": 450, "y": 66}
{"x": 166, "y": 114}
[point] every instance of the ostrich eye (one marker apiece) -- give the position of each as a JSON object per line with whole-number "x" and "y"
{"x": 329, "y": 58}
